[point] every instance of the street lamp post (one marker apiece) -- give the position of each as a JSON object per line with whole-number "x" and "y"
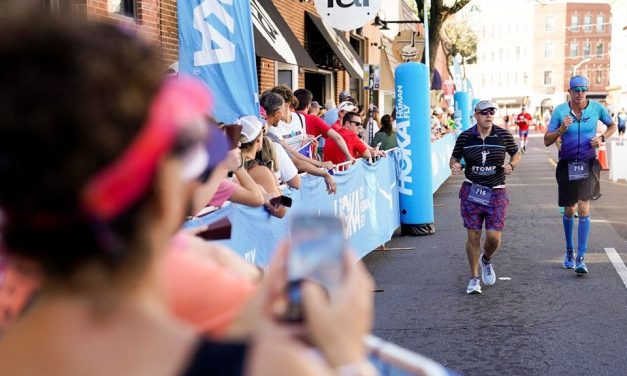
{"x": 579, "y": 64}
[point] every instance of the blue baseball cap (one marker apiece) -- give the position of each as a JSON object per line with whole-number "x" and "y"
{"x": 579, "y": 83}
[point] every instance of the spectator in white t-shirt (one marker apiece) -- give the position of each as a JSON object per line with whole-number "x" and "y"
{"x": 274, "y": 105}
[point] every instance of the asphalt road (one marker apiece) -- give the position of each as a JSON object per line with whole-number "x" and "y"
{"x": 543, "y": 320}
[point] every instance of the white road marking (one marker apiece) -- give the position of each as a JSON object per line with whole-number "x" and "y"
{"x": 618, "y": 263}
{"x": 505, "y": 279}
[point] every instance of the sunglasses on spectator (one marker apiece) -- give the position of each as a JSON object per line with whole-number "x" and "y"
{"x": 356, "y": 123}
{"x": 490, "y": 111}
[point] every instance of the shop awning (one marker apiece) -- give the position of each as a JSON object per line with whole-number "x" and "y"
{"x": 388, "y": 65}
{"x": 273, "y": 37}
{"x": 341, "y": 48}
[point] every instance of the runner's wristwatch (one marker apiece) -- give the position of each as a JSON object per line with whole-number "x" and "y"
{"x": 602, "y": 138}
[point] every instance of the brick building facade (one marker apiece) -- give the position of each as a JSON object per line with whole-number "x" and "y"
{"x": 157, "y": 21}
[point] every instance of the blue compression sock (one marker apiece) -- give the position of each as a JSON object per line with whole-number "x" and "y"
{"x": 582, "y": 235}
{"x": 569, "y": 224}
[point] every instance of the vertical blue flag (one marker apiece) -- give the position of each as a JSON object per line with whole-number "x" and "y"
{"x": 216, "y": 45}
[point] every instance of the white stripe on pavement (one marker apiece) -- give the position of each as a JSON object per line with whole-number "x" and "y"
{"x": 618, "y": 263}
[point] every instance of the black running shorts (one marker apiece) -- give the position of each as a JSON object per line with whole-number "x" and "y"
{"x": 569, "y": 192}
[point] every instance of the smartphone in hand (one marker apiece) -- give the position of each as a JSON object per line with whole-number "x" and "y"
{"x": 317, "y": 255}
{"x": 281, "y": 200}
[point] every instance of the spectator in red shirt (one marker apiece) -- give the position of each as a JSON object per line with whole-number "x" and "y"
{"x": 350, "y": 128}
{"x": 316, "y": 126}
{"x": 342, "y": 109}
{"x": 523, "y": 119}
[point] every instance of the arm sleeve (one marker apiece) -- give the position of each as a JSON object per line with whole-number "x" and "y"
{"x": 354, "y": 143}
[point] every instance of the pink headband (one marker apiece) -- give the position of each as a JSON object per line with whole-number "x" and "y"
{"x": 121, "y": 183}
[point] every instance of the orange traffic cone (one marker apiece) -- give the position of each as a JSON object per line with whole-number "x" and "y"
{"x": 602, "y": 157}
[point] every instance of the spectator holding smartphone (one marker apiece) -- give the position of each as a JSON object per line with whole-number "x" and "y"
{"x": 99, "y": 190}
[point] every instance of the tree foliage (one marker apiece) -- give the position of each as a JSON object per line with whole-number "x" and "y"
{"x": 458, "y": 38}
{"x": 438, "y": 14}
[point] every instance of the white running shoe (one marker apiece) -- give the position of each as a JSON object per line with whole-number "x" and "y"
{"x": 487, "y": 272}
{"x": 474, "y": 287}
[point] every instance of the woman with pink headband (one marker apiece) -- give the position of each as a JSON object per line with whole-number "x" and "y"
{"x": 98, "y": 161}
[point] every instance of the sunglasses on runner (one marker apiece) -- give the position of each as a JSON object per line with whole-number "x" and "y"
{"x": 487, "y": 112}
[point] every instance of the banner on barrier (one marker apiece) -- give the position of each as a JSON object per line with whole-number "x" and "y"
{"x": 216, "y": 45}
{"x": 366, "y": 198}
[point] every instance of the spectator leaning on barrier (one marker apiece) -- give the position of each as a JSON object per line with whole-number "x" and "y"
{"x": 316, "y": 126}
{"x": 349, "y": 132}
{"x": 303, "y": 163}
{"x": 252, "y": 141}
{"x": 483, "y": 196}
{"x": 386, "y": 135}
{"x": 272, "y": 104}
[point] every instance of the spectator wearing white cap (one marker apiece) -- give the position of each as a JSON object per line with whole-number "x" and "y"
{"x": 251, "y": 144}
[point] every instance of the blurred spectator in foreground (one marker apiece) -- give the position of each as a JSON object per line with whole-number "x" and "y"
{"x": 386, "y": 136}
{"x": 94, "y": 194}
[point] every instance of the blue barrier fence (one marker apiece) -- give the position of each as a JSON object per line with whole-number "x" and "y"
{"x": 366, "y": 197}
{"x": 441, "y": 151}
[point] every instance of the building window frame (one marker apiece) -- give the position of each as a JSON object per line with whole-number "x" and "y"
{"x": 283, "y": 68}
{"x": 549, "y": 50}
{"x": 574, "y": 23}
{"x": 599, "y": 50}
{"x": 124, "y": 8}
{"x": 587, "y": 23}
{"x": 548, "y": 78}
{"x": 574, "y": 48}
{"x": 600, "y": 23}
{"x": 549, "y": 24}
{"x": 587, "y": 49}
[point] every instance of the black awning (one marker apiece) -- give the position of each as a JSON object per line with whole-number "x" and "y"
{"x": 346, "y": 54}
{"x": 273, "y": 37}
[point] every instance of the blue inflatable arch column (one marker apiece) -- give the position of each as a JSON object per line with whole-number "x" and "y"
{"x": 462, "y": 109}
{"x": 414, "y": 140}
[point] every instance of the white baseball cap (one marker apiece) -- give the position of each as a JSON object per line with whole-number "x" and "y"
{"x": 347, "y": 107}
{"x": 251, "y": 127}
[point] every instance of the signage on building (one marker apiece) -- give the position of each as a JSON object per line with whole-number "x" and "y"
{"x": 408, "y": 46}
{"x": 270, "y": 31}
{"x": 347, "y": 15}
